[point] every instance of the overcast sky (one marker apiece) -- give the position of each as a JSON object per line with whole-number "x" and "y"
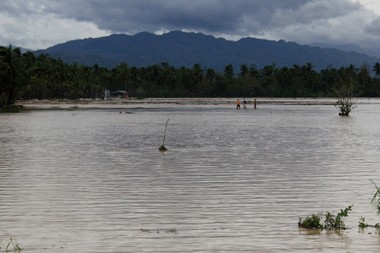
{"x": 39, "y": 24}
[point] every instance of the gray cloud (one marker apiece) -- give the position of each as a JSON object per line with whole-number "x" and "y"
{"x": 42, "y": 23}
{"x": 374, "y": 27}
{"x": 209, "y": 15}
{"x": 214, "y": 16}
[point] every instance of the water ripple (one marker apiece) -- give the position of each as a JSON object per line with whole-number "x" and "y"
{"x": 231, "y": 181}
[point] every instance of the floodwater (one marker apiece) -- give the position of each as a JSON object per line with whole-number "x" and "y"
{"x": 231, "y": 181}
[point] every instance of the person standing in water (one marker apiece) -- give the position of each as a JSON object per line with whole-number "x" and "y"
{"x": 237, "y": 104}
{"x": 244, "y": 104}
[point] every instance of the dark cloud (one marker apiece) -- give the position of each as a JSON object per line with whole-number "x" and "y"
{"x": 374, "y": 27}
{"x": 226, "y": 18}
{"x": 303, "y": 21}
{"x": 214, "y": 16}
{"x": 313, "y": 11}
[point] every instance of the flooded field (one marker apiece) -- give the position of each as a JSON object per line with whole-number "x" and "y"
{"x": 93, "y": 180}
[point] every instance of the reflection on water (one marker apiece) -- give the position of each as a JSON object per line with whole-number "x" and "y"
{"x": 231, "y": 181}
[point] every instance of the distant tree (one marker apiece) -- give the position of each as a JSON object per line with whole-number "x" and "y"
{"x": 244, "y": 70}
{"x": 197, "y": 76}
{"x": 284, "y": 79}
{"x": 210, "y": 75}
{"x": 345, "y": 90}
{"x": 268, "y": 80}
{"x": 122, "y": 76}
{"x": 376, "y": 69}
{"x": 29, "y": 76}
{"x": 365, "y": 81}
{"x": 253, "y": 71}
{"x": 11, "y": 74}
{"x": 228, "y": 72}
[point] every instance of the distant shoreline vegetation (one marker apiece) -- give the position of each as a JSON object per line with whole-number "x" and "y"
{"x": 26, "y": 76}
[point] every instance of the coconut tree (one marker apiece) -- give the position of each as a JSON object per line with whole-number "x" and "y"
{"x": 376, "y": 69}
{"x": 10, "y": 74}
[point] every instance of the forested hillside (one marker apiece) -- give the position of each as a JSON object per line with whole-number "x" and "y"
{"x": 181, "y": 49}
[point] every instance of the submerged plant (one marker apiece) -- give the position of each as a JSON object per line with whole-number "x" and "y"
{"x": 335, "y": 221}
{"x": 375, "y": 201}
{"x": 11, "y": 246}
{"x": 311, "y": 222}
{"x": 376, "y": 198}
{"x": 345, "y": 91}
{"x": 331, "y": 221}
{"x": 10, "y": 109}
{"x": 362, "y": 222}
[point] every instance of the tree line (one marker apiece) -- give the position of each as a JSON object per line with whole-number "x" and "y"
{"x": 27, "y": 76}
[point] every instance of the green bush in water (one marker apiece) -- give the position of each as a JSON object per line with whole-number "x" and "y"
{"x": 311, "y": 222}
{"x": 331, "y": 221}
{"x": 10, "y": 109}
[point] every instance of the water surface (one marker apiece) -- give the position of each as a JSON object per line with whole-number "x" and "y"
{"x": 231, "y": 181}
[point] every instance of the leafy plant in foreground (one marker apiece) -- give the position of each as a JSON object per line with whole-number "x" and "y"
{"x": 331, "y": 221}
{"x": 376, "y": 199}
{"x": 335, "y": 221}
{"x": 376, "y": 203}
{"x": 311, "y": 222}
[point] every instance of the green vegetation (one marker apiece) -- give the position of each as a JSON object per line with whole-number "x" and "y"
{"x": 362, "y": 222}
{"x": 376, "y": 203}
{"x": 27, "y": 76}
{"x": 11, "y": 108}
{"x": 11, "y": 246}
{"x": 346, "y": 91}
{"x": 311, "y": 222}
{"x": 332, "y": 221}
{"x": 335, "y": 221}
{"x": 376, "y": 199}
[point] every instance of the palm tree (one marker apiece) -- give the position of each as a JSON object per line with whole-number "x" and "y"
{"x": 228, "y": 72}
{"x": 210, "y": 75}
{"x": 376, "y": 69}
{"x": 244, "y": 70}
{"x": 10, "y": 73}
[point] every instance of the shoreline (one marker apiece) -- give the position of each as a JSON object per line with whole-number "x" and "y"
{"x": 122, "y": 103}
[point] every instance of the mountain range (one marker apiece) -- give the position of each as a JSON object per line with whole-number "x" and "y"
{"x": 182, "y": 49}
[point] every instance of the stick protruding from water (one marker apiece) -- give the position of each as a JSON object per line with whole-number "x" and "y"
{"x": 163, "y": 148}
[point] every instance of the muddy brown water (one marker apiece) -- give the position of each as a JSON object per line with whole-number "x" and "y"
{"x": 231, "y": 181}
